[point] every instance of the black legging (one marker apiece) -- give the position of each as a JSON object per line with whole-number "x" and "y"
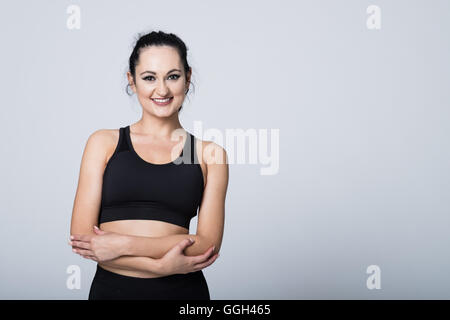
{"x": 108, "y": 285}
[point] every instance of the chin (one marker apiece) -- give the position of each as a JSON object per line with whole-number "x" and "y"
{"x": 164, "y": 112}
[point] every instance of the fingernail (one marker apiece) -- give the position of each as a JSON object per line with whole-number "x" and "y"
{"x": 191, "y": 240}
{"x": 214, "y": 247}
{"x": 71, "y": 237}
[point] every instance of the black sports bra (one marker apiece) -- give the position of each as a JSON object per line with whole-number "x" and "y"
{"x": 136, "y": 189}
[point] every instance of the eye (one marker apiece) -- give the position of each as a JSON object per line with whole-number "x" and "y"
{"x": 172, "y": 75}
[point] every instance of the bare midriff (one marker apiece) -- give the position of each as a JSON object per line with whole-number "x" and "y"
{"x": 144, "y": 228}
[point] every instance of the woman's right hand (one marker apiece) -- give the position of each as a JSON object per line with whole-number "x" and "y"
{"x": 175, "y": 261}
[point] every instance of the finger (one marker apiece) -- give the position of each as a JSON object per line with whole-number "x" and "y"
{"x": 97, "y": 230}
{"x": 207, "y": 263}
{"x": 202, "y": 257}
{"x": 83, "y": 252}
{"x": 81, "y": 237}
{"x": 81, "y": 244}
{"x": 89, "y": 257}
{"x": 184, "y": 243}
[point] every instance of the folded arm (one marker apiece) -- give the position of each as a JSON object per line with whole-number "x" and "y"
{"x": 157, "y": 247}
{"x": 148, "y": 266}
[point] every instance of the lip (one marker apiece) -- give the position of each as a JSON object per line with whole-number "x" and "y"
{"x": 162, "y": 104}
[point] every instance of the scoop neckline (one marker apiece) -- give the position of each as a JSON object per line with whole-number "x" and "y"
{"x": 128, "y": 135}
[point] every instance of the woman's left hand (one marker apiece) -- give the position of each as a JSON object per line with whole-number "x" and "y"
{"x": 102, "y": 246}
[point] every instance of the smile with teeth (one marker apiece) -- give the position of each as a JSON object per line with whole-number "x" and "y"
{"x": 161, "y": 100}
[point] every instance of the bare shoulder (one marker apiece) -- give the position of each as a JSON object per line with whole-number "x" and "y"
{"x": 103, "y": 142}
{"x": 209, "y": 154}
{"x": 212, "y": 153}
{"x": 110, "y": 136}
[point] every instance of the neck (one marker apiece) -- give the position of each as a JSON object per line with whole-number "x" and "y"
{"x": 157, "y": 127}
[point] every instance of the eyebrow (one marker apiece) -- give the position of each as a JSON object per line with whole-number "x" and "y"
{"x": 148, "y": 71}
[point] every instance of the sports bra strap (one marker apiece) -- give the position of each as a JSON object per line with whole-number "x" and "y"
{"x": 123, "y": 143}
{"x": 192, "y": 148}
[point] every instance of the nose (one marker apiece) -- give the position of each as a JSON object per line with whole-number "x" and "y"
{"x": 162, "y": 89}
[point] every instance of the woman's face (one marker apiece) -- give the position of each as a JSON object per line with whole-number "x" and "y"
{"x": 160, "y": 74}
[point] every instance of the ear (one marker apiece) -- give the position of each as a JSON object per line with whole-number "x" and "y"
{"x": 188, "y": 75}
{"x": 188, "y": 78}
{"x": 131, "y": 82}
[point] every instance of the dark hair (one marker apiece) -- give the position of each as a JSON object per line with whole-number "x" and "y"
{"x": 159, "y": 38}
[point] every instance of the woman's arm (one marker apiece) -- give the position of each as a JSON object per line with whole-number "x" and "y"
{"x": 149, "y": 266}
{"x": 88, "y": 197}
{"x": 174, "y": 262}
{"x": 157, "y": 247}
{"x": 87, "y": 201}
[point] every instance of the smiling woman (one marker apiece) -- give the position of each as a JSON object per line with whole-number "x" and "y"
{"x": 143, "y": 183}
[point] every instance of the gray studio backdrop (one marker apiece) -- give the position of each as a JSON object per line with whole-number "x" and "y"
{"x": 363, "y": 118}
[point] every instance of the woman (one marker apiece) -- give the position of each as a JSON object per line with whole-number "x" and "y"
{"x": 142, "y": 189}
